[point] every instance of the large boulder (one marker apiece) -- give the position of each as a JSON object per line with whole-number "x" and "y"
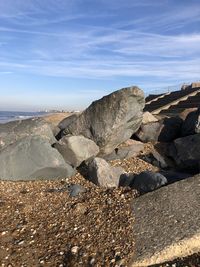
{"x": 128, "y": 149}
{"x": 32, "y": 158}
{"x": 67, "y": 121}
{"x": 76, "y": 149}
{"x": 111, "y": 120}
{"x": 148, "y": 181}
{"x": 167, "y": 223}
{"x": 12, "y": 131}
{"x": 186, "y": 152}
{"x": 191, "y": 125}
{"x": 165, "y": 130}
{"x": 102, "y": 174}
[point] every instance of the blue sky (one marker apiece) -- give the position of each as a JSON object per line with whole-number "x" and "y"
{"x": 63, "y": 54}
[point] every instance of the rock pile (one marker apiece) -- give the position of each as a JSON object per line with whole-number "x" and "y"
{"x": 33, "y": 149}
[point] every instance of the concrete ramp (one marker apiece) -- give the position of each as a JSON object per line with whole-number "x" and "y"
{"x": 167, "y": 223}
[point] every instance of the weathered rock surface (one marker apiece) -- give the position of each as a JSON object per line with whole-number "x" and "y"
{"x": 67, "y": 121}
{"x": 191, "y": 125}
{"x": 127, "y": 150}
{"x": 186, "y": 152}
{"x": 149, "y": 132}
{"x": 148, "y": 181}
{"x": 165, "y": 130}
{"x": 102, "y": 174}
{"x": 167, "y": 223}
{"x": 32, "y": 158}
{"x": 111, "y": 120}
{"x": 12, "y": 131}
{"x": 76, "y": 149}
{"x": 148, "y": 117}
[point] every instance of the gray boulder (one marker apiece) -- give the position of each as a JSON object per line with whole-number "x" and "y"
{"x": 148, "y": 181}
{"x": 191, "y": 125}
{"x": 111, "y": 120}
{"x": 32, "y": 158}
{"x": 67, "y": 121}
{"x": 76, "y": 149}
{"x": 149, "y": 132}
{"x": 186, "y": 152}
{"x": 126, "y": 150}
{"x": 102, "y": 174}
{"x": 12, "y": 131}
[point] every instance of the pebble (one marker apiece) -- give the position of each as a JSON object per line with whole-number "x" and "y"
{"x": 75, "y": 249}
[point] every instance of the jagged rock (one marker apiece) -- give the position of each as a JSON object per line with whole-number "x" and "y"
{"x": 111, "y": 120}
{"x": 191, "y": 125}
{"x": 167, "y": 223}
{"x": 76, "y": 149}
{"x": 32, "y": 158}
{"x": 148, "y": 117}
{"x": 127, "y": 150}
{"x": 12, "y": 131}
{"x": 156, "y": 159}
{"x": 102, "y": 174}
{"x": 67, "y": 121}
{"x": 148, "y": 181}
{"x": 186, "y": 152}
{"x": 165, "y": 130}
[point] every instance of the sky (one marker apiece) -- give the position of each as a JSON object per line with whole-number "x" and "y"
{"x": 63, "y": 54}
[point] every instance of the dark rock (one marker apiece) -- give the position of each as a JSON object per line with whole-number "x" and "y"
{"x": 126, "y": 179}
{"x": 32, "y": 158}
{"x": 76, "y": 149}
{"x": 111, "y": 120}
{"x": 191, "y": 125}
{"x": 75, "y": 190}
{"x": 67, "y": 121}
{"x": 126, "y": 151}
{"x": 186, "y": 152}
{"x": 174, "y": 176}
{"x": 166, "y": 223}
{"x": 171, "y": 129}
{"x": 156, "y": 159}
{"x": 102, "y": 174}
{"x": 12, "y": 131}
{"x": 148, "y": 181}
{"x": 165, "y": 130}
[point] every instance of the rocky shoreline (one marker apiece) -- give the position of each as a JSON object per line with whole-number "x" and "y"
{"x": 80, "y": 191}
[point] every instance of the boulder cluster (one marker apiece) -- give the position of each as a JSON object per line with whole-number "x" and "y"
{"x": 33, "y": 149}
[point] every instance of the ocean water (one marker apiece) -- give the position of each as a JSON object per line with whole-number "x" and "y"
{"x": 6, "y": 116}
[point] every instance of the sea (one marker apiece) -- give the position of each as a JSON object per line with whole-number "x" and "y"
{"x": 6, "y": 116}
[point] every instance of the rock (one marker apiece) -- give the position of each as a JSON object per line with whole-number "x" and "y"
{"x": 171, "y": 129}
{"x": 191, "y": 125}
{"x": 185, "y": 112}
{"x": 67, "y": 121}
{"x": 127, "y": 150}
{"x": 102, "y": 174}
{"x": 12, "y": 131}
{"x": 156, "y": 159}
{"x": 75, "y": 190}
{"x": 174, "y": 176}
{"x": 111, "y": 120}
{"x": 186, "y": 152}
{"x": 149, "y": 132}
{"x": 165, "y": 130}
{"x": 32, "y": 158}
{"x": 76, "y": 149}
{"x": 148, "y": 117}
{"x": 167, "y": 223}
{"x": 148, "y": 181}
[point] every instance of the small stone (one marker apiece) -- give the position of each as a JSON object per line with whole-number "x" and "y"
{"x": 74, "y": 250}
